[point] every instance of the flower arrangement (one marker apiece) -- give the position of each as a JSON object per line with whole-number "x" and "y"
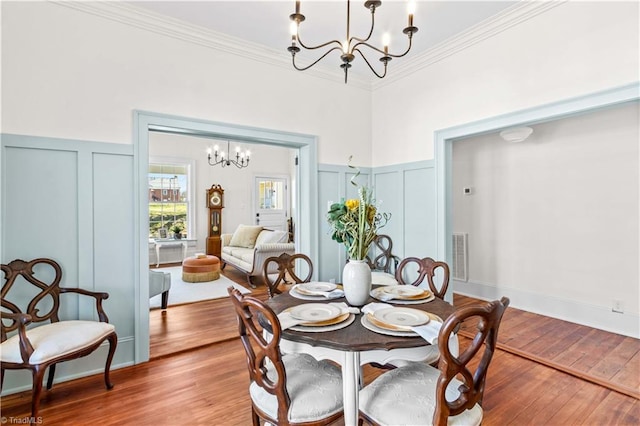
{"x": 355, "y": 222}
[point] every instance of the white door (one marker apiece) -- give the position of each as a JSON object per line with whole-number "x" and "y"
{"x": 271, "y": 202}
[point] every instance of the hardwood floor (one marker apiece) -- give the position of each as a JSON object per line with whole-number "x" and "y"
{"x": 207, "y": 385}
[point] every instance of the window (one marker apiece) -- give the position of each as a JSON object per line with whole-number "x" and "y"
{"x": 169, "y": 196}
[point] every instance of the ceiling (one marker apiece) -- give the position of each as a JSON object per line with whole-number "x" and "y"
{"x": 267, "y": 22}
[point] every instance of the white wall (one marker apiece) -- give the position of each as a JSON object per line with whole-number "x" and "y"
{"x": 573, "y": 49}
{"x": 75, "y": 75}
{"x": 557, "y": 214}
{"x": 237, "y": 183}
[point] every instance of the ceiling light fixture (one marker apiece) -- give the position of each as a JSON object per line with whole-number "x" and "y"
{"x": 352, "y": 44}
{"x": 241, "y": 160}
{"x": 516, "y": 134}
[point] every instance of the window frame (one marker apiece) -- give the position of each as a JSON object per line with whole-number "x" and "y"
{"x": 190, "y": 164}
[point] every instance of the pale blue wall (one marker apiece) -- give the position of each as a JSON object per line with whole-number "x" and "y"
{"x": 72, "y": 201}
{"x": 407, "y": 191}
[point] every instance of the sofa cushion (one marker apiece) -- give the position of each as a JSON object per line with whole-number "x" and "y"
{"x": 245, "y": 236}
{"x": 268, "y": 236}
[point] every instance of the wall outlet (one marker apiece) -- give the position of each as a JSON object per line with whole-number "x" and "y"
{"x": 617, "y": 306}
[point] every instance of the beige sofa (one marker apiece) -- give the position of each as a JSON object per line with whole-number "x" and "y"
{"x": 248, "y": 247}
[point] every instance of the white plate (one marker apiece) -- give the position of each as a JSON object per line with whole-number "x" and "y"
{"x": 401, "y": 317}
{"x": 377, "y": 292}
{"x": 332, "y": 327}
{"x": 294, "y": 293}
{"x": 315, "y": 312}
{"x": 365, "y": 322}
{"x": 403, "y": 291}
{"x": 315, "y": 286}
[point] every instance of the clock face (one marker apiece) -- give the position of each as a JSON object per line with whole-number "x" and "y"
{"x": 216, "y": 200}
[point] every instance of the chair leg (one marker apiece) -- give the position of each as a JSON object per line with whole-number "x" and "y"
{"x": 113, "y": 343}
{"x": 255, "y": 419}
{"x": 1, "y": 378}
{"x": 52, "y": 372}
{"x": 165, "y": 299}
{"x": 38, "y": 376}
{"x": 222, "y": 265}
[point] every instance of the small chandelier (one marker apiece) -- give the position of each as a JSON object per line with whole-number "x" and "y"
{"x": 241, "y": 160}
{"x": 352, "y": 44}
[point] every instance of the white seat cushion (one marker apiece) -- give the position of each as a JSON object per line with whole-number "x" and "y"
{"x": 315, "y": 389}
{"x": 53, "y": 340}
{"x": 383, "y": 278}
{"x": 406, "y": 396}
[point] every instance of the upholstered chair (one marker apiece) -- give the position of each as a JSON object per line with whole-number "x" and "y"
{"x": 419, "y": 394}
{"x": 160, "y": 283}
{"x": 293, "y": 389}
{"x": 36, "y": 338}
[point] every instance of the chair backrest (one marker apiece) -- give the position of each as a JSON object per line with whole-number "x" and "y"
{"x": 483, "y": 344}
{"x": 261, "y": 351}
{"x": 285, "y": 264}
{"x": 385, "y": 261}
{"x": 427, "y": 267}
{"x": 44, "y": 305}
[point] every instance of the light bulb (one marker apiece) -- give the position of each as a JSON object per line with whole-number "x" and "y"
{"x": 386, "y": 39}
{"x": 209, "y": 151}
{"x": 215, "y": 148}
{"x": 248, "y": 153}
{"x": 411, "y": 7}
{"x": 345, "y": 46}
{"x": 222, "y": 154}
{"x": 237, "y": 149}
{"x": 293, "y": 28}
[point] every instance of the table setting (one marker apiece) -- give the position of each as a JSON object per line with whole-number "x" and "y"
{"x": 402, "y": 294}
{"x": 399, "y": 321}
{"x": 317, "y": 317}
{"x": 316, "y": 290}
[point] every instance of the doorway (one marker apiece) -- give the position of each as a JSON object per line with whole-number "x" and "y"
{"x": 306, "y": 216}
{"x": 271, "y": 202}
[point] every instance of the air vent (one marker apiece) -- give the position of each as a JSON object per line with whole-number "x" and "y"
{"x": 460, "y": 261}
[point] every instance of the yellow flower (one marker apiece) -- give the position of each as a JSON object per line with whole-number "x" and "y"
{"x": 352, "y": 204}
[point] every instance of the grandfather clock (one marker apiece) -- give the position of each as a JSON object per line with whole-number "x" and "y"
{"x": 215, "y": 204}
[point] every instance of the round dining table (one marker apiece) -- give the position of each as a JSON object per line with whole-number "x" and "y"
{"x": 355, "y": 345}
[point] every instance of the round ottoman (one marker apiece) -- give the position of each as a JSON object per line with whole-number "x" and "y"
{"x": 200, "y": 269}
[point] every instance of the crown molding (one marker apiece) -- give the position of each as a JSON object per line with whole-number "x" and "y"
{"x": 144, "y": 19}
{"x": 496, "y": 24}
{"x": 160, "y": 24}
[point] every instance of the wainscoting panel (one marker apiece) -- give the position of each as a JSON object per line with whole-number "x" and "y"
{"x": 330, "y": 253}
{"x": 404, "y": 190}
{"x": 54, "y": 193}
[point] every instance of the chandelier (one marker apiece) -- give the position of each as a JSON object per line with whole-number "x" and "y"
{"x": 351, "y": 45}
{"x": 225, "y": 159}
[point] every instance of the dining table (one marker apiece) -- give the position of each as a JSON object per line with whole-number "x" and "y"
{"x": 355, "y": 345}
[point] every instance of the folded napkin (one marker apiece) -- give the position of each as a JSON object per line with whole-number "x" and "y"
{"x": 287, "y": 321}
{"x": 333, "y": 294}
{"x": 428, "y": 331}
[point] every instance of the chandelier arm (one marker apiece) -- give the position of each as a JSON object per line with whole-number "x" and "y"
{"x": 318, "y": 46}
{"x": 382, "y": 51}
{"x": 371, "y": 67}
{"x": 360, "y": 40}
{"x": 293, "y": 58}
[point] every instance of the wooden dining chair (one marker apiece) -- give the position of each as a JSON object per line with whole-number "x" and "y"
{"x": 384, "y": 265}
{"x": 450, "y": 394}
{"x": 46, "y": 345}
{"x": 285, "y": 265}
{"x": 292, "y": 389}
{"x": 426, "y": 267}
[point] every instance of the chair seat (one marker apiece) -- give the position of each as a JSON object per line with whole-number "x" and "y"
{"x": 383, "y": 278}
{"x": 416, "y": 384}
{"x": 56, "y": 340}
{"x": 315, "y": 389}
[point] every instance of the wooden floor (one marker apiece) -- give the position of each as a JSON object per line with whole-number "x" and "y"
{"x": 205, "y": 382}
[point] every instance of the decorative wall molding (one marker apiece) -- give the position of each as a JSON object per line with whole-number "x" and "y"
{"x": 134, "y": 16}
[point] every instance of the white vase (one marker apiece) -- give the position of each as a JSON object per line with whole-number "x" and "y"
{"x": 356, "y": 281}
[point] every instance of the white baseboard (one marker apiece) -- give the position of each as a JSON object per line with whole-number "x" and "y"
{"x": 627, "y": 324}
